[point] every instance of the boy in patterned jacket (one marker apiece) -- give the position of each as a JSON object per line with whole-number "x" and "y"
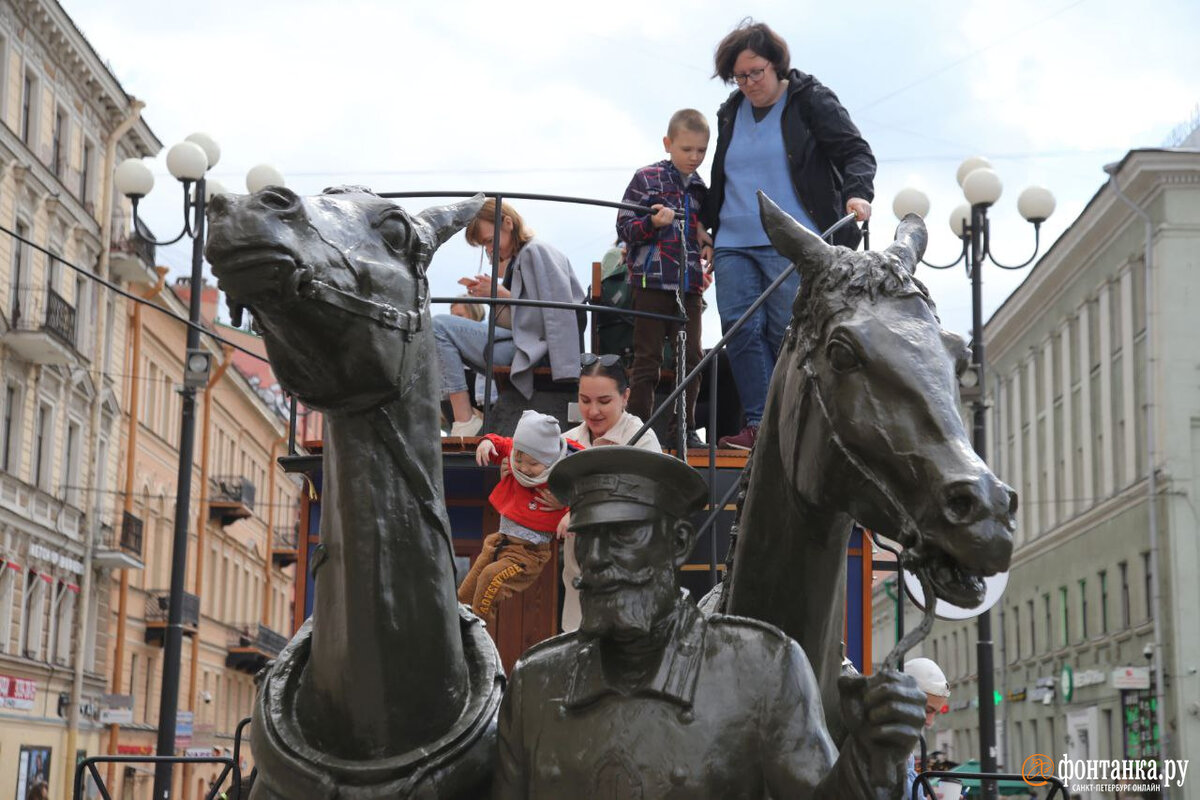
{"x": 670, "y": 187}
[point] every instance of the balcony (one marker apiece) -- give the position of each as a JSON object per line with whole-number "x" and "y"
{"x": 251, "y": 647}
{"x": 283, "y": 546}
{"x": 42, "y": 327}
{"x": 121, "y": 549}
{"x": 230, "y": 498}
{"x": 132, "y": 260}
{"x": 157, "y": 606}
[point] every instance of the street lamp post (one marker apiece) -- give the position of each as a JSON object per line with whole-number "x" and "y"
{"x": 982, "y": 188}
{"x": 188, "y": 162}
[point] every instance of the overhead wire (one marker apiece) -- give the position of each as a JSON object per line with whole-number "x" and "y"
{"x": 118, "y": 290}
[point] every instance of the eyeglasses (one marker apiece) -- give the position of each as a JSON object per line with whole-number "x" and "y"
{"x": 753, "y": 76}
{"x": 606, "y": 360}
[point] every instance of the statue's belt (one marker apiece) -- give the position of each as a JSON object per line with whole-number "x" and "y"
{"x": 407, "y": 322}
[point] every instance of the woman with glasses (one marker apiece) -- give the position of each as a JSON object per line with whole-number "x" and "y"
{"x": 603, "y": 397}
{"x": 525, "y": 336}
{"x": 783, "y": 132}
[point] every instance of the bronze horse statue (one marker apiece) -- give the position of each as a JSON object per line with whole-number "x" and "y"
{"x": 861, "y": 424}
{"x": 389, "y": 689}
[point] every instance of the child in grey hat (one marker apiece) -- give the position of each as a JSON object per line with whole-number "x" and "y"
{"x": 513, "y": 557}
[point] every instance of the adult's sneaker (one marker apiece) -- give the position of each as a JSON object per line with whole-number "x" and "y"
{"x": 742, "y": 440}
{"x": 469, "y": 428}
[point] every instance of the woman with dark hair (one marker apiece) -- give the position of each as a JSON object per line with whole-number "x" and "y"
{"x": 783, "y": 132}
{"x": 603, "y": 397}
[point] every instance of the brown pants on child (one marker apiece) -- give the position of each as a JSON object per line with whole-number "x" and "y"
{"x": 506, "y": 565}
{"x": 648, "y": 338}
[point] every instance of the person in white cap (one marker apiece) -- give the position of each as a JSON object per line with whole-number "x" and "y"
{"x": 512, "y": 558}
{"x": 932, "y": 681}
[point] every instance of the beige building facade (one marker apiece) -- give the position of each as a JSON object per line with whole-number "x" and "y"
{"x": 64, "y": 123}
{"x": 1096, "y": 595}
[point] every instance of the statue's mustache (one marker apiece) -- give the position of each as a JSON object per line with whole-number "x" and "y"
{"x": 613, "y": 578}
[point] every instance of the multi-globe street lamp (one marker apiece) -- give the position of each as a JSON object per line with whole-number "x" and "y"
{"x": 981, "y": 188}
{"x": 189, "y": 162}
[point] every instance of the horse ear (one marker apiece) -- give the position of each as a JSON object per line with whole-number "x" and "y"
{"x": 911, "y": 238}
{"x": 793, "y": 241}
{"x": 436, "y": 225}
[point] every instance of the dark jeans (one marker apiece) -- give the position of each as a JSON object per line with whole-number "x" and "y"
{"x": 648, "y": 338}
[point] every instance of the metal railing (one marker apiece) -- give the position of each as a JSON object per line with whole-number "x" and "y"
{"x": 158, "y": 601}
{"x": 131, "y": 533}
{"x": 43, "y": 309}
{"x": 258, "y": 636}
{"x": 681, "y": 381}
{"x": 231, "y": 489}
{"x": 124, "y": 241}
{"x": 285, "y": 538}
{"x": 231, "y": 770}
{"x": 1056, "y": 785}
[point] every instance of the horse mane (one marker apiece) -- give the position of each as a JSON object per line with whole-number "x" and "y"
{"x": 850, "y": 277}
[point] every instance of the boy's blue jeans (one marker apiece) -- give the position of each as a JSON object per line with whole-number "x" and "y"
{"x": 742, "y": 274}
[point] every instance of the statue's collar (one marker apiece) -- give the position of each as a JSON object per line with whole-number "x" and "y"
{"x": 674, "y": 680}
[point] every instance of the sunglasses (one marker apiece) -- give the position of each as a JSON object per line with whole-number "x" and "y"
{"x": 606, "y": 360}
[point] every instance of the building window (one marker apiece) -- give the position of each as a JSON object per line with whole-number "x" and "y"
{"x": 1149, "y": 579}
{"x": 85, "y": 172}
{"x": 41, "y": 446}
{"x": 58, "y": 146}
{"x": 954, "y": 655}
{"x": 70, "y": 465}
{"x": 8, "y": 448}
{"x": 1017, "y": 631}
{"x": 1049, "y": 627}
{"x": 28, "y": 107}
{"x": 66, "y": 623}
{"x": 1064, "y": 611}
{"x": 1032, "y": 630}
{"x": 8, "y": 590}
{"x": 1104, "y": 601}
{"x": 1083, "y": 620}
{"x": 35, "y": 615}
{"x": 18, "y": 268}
{"x": 1123, "y": 568}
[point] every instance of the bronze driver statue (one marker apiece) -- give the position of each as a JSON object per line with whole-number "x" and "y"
{"x": 650, "y": 699}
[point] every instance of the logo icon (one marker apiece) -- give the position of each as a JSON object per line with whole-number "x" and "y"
{"x": 1036, "y": 769}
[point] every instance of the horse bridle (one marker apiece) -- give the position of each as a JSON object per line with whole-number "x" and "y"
{"x": 383, "y": 314}
{"x": 907, "y": 525}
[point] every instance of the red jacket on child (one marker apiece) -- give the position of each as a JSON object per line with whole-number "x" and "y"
{"x": 518, "y": 503}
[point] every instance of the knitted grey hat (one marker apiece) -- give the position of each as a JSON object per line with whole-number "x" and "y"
{"x": 538, "y": 435}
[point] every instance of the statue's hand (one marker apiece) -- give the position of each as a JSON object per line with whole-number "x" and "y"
{"x": 884, "y": 712}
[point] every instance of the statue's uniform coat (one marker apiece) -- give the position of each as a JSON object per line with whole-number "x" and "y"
{"x": 733, "y": 711}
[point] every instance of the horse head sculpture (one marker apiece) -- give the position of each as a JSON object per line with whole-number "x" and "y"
{"x": 390, "y": 689}
{"x": 862, "y": 424}
{"x": 336, "y": 283}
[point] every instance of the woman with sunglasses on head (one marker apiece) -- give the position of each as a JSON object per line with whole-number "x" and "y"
{"x": 525, "y": 336}
{"x": 603, "y": 397}
{"x": 783, "y": 132}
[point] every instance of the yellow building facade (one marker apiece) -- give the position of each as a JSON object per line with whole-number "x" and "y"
{"x": 65, "y": 121}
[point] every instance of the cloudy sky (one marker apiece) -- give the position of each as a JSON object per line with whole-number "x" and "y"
{"x": 570, "y": 98}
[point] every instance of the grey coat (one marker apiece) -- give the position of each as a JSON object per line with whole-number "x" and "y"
{"x": 542, "y": 272}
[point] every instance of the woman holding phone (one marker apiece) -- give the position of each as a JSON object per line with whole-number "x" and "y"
{"x": 525, "y": 336}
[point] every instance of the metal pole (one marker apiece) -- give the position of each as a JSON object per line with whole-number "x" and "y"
{"x": 983, "y": 647}
{"x": 173, "y": 637}
{"x": 497, "y": 223}
{"x": 711, "y": 436}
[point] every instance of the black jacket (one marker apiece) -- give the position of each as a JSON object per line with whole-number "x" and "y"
{"x": 830, "y": 160}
